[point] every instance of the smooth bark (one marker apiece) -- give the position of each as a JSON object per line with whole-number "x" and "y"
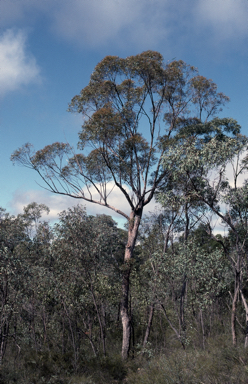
{"x": 99, "y": 321}
{"x": 233, "y": 317}
{"x": 134, "y": 222}
{"x": 172, "y": 327}
{"x": 246, "y": 318}
{"x": 149, "y": 325}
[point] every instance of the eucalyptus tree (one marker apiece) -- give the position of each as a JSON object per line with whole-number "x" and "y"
{"x": 37, "y": 294}
{"x": 235, "y": 219}
{"x": 168, "y": 267}
{"x": 156, "y": 235}
{"x": 13, "y": 248}
{"x": 32, "y": 214}
{"x": 223, "y": 145}
{"x": 133, "y": 109}
{"x": 86, "y": 272}
{"x": 208, "y": 277}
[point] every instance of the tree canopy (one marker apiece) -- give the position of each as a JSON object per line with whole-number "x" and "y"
{"x": 133, "y": 110}
{"x": 145, "y": 123}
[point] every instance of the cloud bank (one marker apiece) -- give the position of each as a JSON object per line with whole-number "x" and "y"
{"x": 58, "y": 203}
{"x": 227, "y": 18}
{"x": 96, "y": 23}
{"x": 142, "y": 23}
{"x": 17, "y": 66}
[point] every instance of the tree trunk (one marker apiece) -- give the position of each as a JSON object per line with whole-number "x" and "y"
{"x": 203, "y": 330}
{"x": 75, "y": 352}
{"x": 234, "y": 314}
{"x": 246, "y": 318}
{"x": 3, "y": 340}
{"x": 125, "y": 318}
{"x": 171, "y": 325}
{"x": 4, "y": 321}
{"x": 186, "y": 230}
{"x": 102, "y": 330}
{"x": 182, "y": 299}
{"x": 134, "y": 222}
{"x": 149, "y": 324}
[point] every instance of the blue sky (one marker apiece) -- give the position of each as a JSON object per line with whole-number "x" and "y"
{"x": 49, "y": 48}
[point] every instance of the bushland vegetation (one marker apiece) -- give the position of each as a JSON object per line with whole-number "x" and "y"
{"x": 164, "y": 301}
{"x": 60, "y": 301}
{"x": 141, "y": 117}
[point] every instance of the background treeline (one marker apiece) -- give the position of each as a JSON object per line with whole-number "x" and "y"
{"x": 60, "y": 294}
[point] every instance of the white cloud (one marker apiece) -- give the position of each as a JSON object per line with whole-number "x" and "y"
{"x": 148, "y": 23}
{"x": 227, "y": 18}
{"x": 94, "y": 22}
{"x": 99, "y": 22}
{"x": 17, "y": 66}
{"x": 57, "y": 203}
{"x": 145, "y": 24}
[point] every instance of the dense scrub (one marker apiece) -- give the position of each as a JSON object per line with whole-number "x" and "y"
{"x": 60, "y": 303}
{"x": 219, "y": 363}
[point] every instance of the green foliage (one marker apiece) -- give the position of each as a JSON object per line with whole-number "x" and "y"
{"x": 150, "y": 129}
{"x": 62, "y": 306}
{"x": 137, "y": 111}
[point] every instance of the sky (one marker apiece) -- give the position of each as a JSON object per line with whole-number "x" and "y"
{"x": 49, "y": 48}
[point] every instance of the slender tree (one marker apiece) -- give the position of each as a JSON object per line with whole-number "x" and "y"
{"x": 133, "y": 111}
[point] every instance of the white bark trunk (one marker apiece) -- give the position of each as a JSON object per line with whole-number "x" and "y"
{"x": 134, "y": 222}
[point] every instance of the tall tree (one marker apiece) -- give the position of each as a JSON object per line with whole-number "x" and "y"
{"x": 133, "y": 111}
{"x": 212, "y": 190}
